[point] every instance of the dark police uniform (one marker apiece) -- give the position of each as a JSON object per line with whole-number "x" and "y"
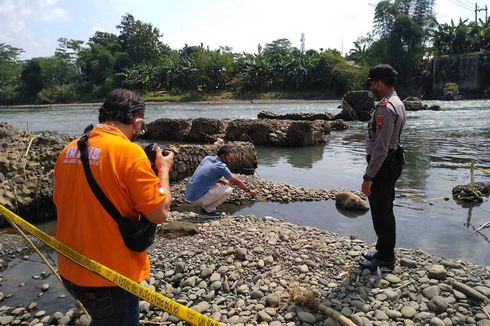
{"x": 385, "y": 164}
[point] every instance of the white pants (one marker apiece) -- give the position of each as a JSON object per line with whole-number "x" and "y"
{"x": 214, "y": 197}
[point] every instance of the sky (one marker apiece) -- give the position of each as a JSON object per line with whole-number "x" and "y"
{"x": 35, "y": 25}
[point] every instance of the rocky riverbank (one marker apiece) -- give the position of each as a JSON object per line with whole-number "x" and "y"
{"x": 245, "y": 270}
{"x": 267, "y": 191}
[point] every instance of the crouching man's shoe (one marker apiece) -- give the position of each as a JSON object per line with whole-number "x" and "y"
{"x": 375, "y": 262}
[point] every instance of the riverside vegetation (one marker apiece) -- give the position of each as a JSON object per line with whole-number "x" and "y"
{"x": 405, "y": 34}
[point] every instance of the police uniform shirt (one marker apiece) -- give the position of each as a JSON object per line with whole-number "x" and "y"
{"x": 384, "y": 131}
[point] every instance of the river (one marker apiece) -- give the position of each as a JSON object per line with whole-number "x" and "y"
{"x": 438, "y": 145}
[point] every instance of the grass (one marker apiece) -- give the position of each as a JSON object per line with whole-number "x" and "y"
{"x": 219, "y": 96}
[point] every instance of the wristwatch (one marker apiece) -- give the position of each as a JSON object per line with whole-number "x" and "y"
{"x": 367, "y": 178}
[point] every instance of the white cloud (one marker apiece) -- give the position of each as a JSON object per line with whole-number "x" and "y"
{"x": 56, "y": 14}
{"x": 19, "y": 19}
{"x": 98, "y": 29}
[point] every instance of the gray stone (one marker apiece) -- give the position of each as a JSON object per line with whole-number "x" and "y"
{"x": 330, "y": 322}
{"x": 6, "y": 320}
{"x": 306, "y": 317}
{"x": 437, "y": 272}
{"x": 207, "y": 272}
{"x": 393, "y": 295}
{"x": 423, "y": 316}
{"x": 392, "y": 278}
{"x": 263, "y": 316}
{"x": 241, "y": 254}
{"x": 438, "y": 304}
{"x": 431, "y": 291}
{"x": 272, "y": 300}
{"x": 483, "y": 322}
{"x": 144, "y": 307}
{"x": 256, "y": 294}
{"x": 179, "y": 268}
{"x": 393, "y": 314}
{"x": 303, "y": 268}
{"x": 381, "y": 315}
{"x": 483, "y": 290}
{"x": 408, "y": 312}
{"x": 215, "y": 277}
{"x": 201, "y": 306}
{"x": 351, "y": 201}
{"x": 436, "y": 322}
{"x": 408, "y": 263}
{"x": 85, "y": 320}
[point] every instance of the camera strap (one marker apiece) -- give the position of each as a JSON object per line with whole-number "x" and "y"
{"x": 82, "y": 144}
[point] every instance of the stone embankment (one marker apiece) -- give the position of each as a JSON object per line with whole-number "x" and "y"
{"x": 27, "y": 162}
{"x": 266, "y": 132}
{"x": 245, "y": 270}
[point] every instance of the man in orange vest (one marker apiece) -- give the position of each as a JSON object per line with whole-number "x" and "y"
{"x": 124, "y": 174}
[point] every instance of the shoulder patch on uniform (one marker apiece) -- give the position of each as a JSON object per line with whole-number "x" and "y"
{"x": 379, "y": 121}
{"x": 160, "y": 188}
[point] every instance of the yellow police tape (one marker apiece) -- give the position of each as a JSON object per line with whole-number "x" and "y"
{"x": 473, "y": 166}
{"x": 154, "y": 298}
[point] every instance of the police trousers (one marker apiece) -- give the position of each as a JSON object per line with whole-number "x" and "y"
{"x": 381, "y": 202}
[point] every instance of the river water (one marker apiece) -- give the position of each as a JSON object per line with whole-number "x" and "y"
{"x": 438, "y": 145}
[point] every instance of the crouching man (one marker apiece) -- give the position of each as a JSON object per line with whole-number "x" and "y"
{"x": 210, "y": 187}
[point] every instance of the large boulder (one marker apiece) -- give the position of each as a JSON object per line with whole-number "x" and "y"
{"x": 358, "y": 105}
{"x": 206, "y": 130}
{"x": 188, "y": 157}
{"x": 419, "y": 106}
{"x": 278, "y": 132}
{"x": 309, "y": 116}
{"x": 168, "y": 129}
{"x": 471, "y": 193}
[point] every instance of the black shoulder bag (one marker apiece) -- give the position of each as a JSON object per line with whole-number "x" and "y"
{"x": 137, "y": 235}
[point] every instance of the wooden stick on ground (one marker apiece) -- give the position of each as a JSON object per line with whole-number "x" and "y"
{"x": 51, "y": 268}
{"x": 307, "y": 298}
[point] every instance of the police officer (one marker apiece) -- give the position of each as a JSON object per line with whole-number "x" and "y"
{"x": 385, "y": 164}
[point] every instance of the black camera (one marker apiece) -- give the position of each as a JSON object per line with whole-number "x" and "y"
{"x": 151, "y": 153}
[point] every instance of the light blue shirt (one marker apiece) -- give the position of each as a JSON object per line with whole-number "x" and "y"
{"x": 209, "y": 171}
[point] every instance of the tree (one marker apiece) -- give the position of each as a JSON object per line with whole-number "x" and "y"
{"x": 31, "y": 79}
{"x": 10, "y": 69}
{"x": 140, "y": 40}
{"x": 68, "y": 49}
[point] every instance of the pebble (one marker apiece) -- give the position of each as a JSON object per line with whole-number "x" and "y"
{"x": 438, "y": 304}
{"x": 437, "y": 272}
{"x": 408, "y": 312}
{"x": 306, "y": 317}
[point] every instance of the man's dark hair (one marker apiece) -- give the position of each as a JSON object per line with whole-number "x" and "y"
{"x": 223, "y": 150}
{"x": 122, "y": 105}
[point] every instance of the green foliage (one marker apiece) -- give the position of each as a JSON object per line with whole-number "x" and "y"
{"x": 31, "y": 79}
{"x": 451, "y": 87}
{"x": 450, "y": 39}
{"x": 140, "y": 40}
{"x": 57, "y": 94}
{"x": 137, "y": 59}
{"x": 10, "y": 70}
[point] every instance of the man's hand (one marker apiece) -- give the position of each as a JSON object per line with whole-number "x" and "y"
{"x": 366, "y": 187}
{"x": 253, "y": 192}
{"x": 223, "y": 182}
{"x": 163, "y": 163}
